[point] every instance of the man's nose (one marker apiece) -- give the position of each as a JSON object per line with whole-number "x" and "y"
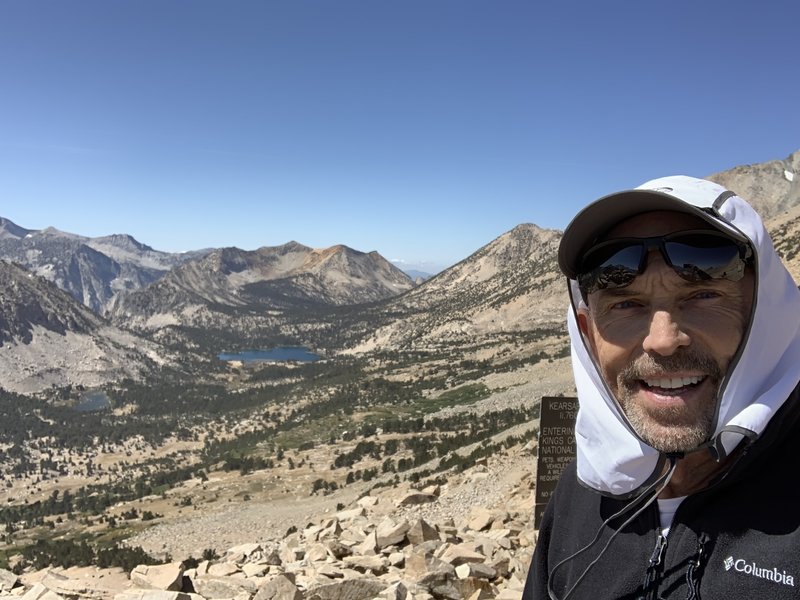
{"x": 665, "y": 335}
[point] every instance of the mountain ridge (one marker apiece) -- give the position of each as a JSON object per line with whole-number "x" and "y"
{"x": 50, "y": 339}
{"x": 267, "y": 279}
{"x": 9, "y": 229}
{"x": 490, "y": 292}
{"x": 771, "y": 187}
{"x": 92, "y": 270}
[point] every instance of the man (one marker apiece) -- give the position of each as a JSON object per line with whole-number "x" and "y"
{"x": 685, "y": 331}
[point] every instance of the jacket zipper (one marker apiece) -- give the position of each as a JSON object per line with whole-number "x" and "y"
{"x": 649, "y": 587}
{"x": 695, "y": 564}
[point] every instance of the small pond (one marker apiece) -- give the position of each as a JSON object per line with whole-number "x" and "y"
{"x": 280, "y": 354}
{"x": 93, "y": 401}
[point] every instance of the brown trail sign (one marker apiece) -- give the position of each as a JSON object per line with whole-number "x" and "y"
{"x": 556, "y": 447}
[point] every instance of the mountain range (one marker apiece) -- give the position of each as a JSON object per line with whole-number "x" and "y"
{"x": 74, "y": 309}
{"x": 92, "y": 270}
{"x": 267, "y": 280}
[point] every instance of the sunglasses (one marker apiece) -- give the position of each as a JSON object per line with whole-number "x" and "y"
{"x": 694, "y": 255}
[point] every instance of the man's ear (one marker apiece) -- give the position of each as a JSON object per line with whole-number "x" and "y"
{"x": 583, "y": 321}
{"x": 585, "y": 326}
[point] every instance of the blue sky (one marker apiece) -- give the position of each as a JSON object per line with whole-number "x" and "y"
{"x": 422, "y": 129}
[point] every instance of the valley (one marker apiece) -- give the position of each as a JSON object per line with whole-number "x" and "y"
{"x": 306, "y": 437}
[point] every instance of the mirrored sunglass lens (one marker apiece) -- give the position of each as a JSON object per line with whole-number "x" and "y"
{"x": 626, "y": 253}
{"x": 705, "y": 257}
{"x": 610, "y": 266}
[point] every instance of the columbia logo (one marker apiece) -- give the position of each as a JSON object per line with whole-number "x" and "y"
{"x": 750, "y": 568}
{"x": 729, "y": 563}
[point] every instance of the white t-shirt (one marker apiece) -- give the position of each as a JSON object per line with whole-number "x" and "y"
{"x": 666, "y": 511}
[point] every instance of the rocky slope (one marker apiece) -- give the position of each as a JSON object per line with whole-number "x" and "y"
{"x": 470, "y": 538}
{"x": 510, "y": 285}
{"x": 48, "y": 338}
{"x": 785, "y": 232}
{"x": 771, "y": 187}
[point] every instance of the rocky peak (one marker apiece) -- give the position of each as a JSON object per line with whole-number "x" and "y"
{"x": 291, "y": 246}
{"x": 27, "y": 301}
{"x": 771, "y": 187}
{"x": 526, "y": 242}
{"x": 123, "y": 241}
{"x": 512, "y": 283}
{"x": 57, "y": 233}
{"x": 525, "y": 249}
{"x": 92, "y": 270}
{"x": 8, "y": 229}
{"x": 225, "y": 261}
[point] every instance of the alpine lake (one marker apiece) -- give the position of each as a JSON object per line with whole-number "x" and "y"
{"x": 279, "y": 354}
{"x": 95, "y": 400}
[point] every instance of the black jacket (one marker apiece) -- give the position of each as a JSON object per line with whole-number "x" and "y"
{"x": 739, "y": 538}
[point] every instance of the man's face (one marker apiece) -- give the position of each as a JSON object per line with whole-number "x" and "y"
{"x": 663, "y": 344}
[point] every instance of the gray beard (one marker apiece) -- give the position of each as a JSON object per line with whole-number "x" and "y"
{"x": 671, "y": 429}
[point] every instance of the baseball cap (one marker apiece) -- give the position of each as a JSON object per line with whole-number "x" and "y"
{"x": 677, "y": 193}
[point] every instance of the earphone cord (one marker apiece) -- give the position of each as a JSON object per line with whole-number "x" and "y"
{"x": 658, "y": 486}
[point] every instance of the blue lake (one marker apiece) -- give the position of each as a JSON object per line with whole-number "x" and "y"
{"x": 93, "y": 401}
{"x": 281, "y": 354}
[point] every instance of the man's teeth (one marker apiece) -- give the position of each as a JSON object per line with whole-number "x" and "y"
{"x": 669, "y": 383}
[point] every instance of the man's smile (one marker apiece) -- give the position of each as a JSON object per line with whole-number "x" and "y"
{"x": 671, "y": 383}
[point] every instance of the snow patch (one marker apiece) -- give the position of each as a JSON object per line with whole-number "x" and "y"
{"x": 788, "y": 175}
